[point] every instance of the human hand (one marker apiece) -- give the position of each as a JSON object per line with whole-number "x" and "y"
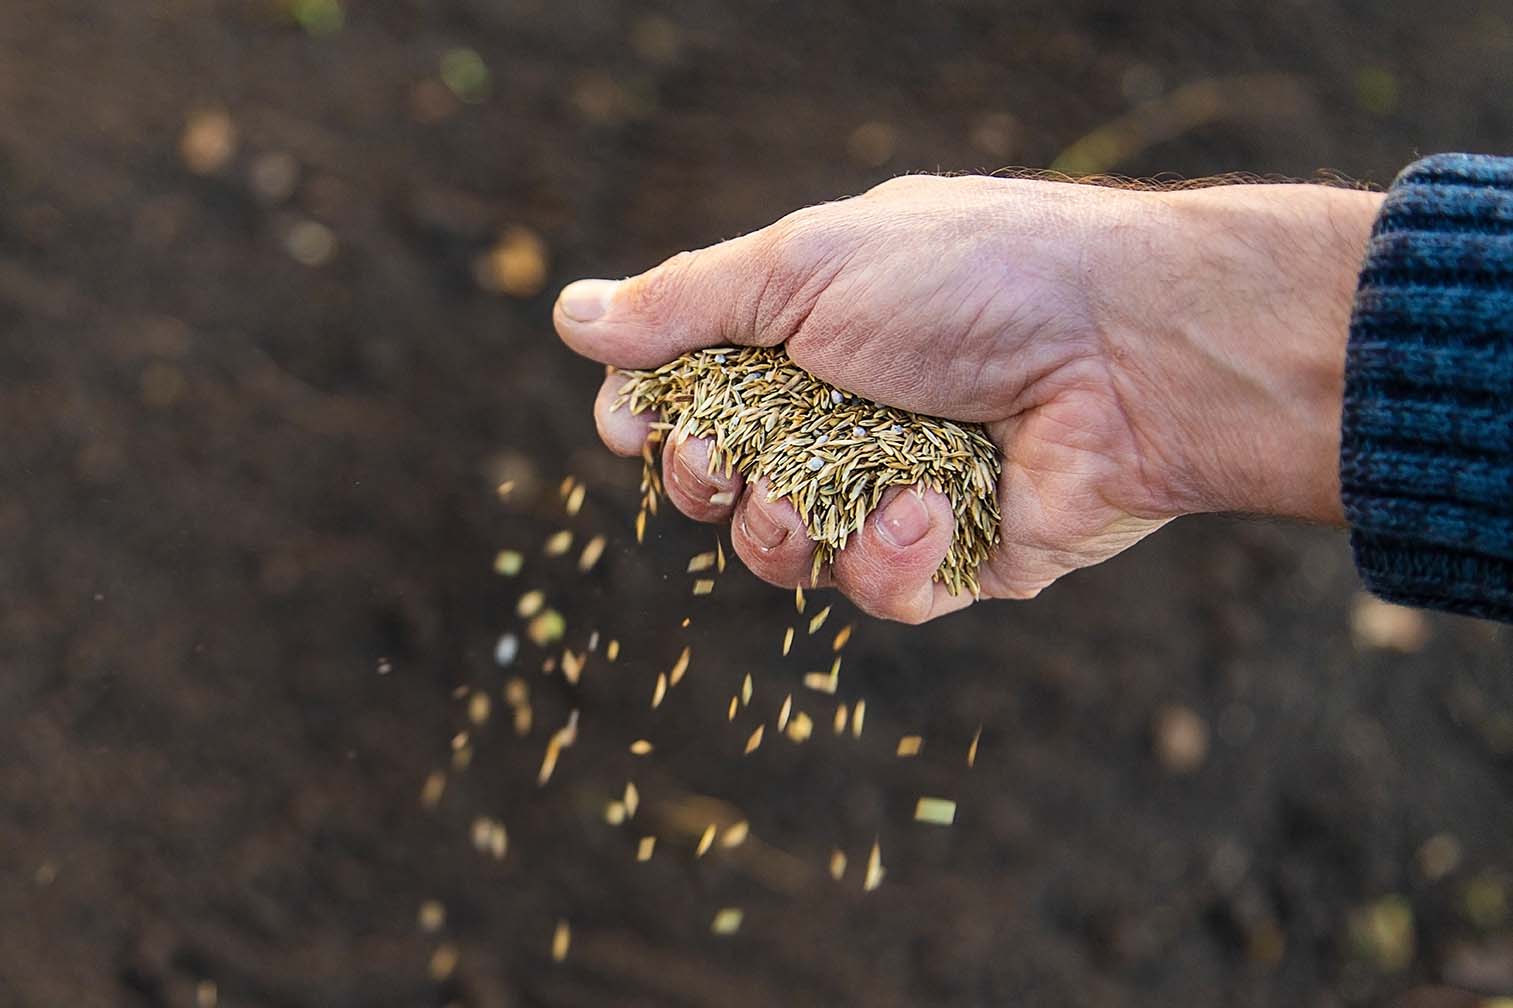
{"x": 1136, "y": 355}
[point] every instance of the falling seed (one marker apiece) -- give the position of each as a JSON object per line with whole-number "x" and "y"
{"x": 565, "y": 488}
{"x": 821, "y": 682}
{"x": 910, "y": 745}
{"x": 727, "y": 921}
{"x": 591, "y": 554}
{"x": 504, "y": 489}
{"x": 837, "y": 864}
{"x": 842, "y": 637}
{"x": 206, "y": 994}
{"x": 479, "y": 707}
{"x": 722, "y": 499}
{"x": 575, "y": 499}
{"x": 858, "y": 715}
{"x": 562, "y": 940}
{"x": 641, "y": 525}
{"x": 705, "y": 841}
{"x": 938, "y": 811}
{"x": 798, "y": 598}
{"x": 874, "y": 877}
{"x": 443, "y": 962}
{"x": 703, "y": 586}
{"x": 719, "y": 557}
{"x": 746, "y": 689}
{"x": 547, "y": 628}
{"x": 700, "y": 562}
{"x": 523, "y": 720}
{"x": 641, "y": 747}
{"x": 735, "y": 834}
{"x": 612, "y": 652}
{"x": 505, "y": 649}
{"x": 819, "y": 620}
{"x": 432, "y": 916}
{"x": 645, "y": 847}
{"x": 548, "y": 665}
{"x": 679, "y": 668}
{"x": 972, "y": 749}
{"x": 840, "y": 718}
{"x": 754, "y": 741}
{"x": 572, "y": 667}
{"x": 614, "y": 813}
{"x": 784, "y": 711}
{"x": 530, "y": 604}
{"x": 559, "y": 543}
{"x": 800, "y": 728}
{"x": 685, "y": 623}
{"x": 735, "y": 705}
{"x": 632, "y": 798}
{"x": 434, "y": 787}
{"x": 659, "y": 691}
{"x": 548, "y": 761}
{"x": 508, "y": 562}
{"x": 459, "y": 741}
{"x": 787, "y": 641}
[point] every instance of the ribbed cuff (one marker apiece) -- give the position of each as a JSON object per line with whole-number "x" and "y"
{"x": 1426, "y": 455}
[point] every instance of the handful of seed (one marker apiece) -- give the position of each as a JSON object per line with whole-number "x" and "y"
{"x": 831, "y": 454}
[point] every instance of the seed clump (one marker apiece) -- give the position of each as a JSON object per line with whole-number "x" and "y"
{"x": 832, "y": 455}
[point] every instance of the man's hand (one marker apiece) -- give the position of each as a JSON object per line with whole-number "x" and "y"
{"x": 1136, "y": 355}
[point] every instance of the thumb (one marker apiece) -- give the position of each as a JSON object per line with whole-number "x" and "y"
{"x": 739, "y": 292}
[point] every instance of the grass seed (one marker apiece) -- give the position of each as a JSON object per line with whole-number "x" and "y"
{"x": 938, "y": 811}
{"x": 910, "y": 745}
{"x": 508, "y": 562}
{"x": 706, "y": 840}
{"x": 818, "y": 620}
{"x": 559, "y": 543}
{"x": 645, "y": 847}
{"x": 768, "y": 418}
{"x": 562, "y": 940}
{"x": 591, "y": 553}
{"x": 972, "y": 749}
{"x": 842, "y": 637}
{"x": 679, "y": 668}
{"x": 875, "y": 870}
{"x": 641, "y": 747}
{"x": 858, "y": 716}
{"x": 703, "y": 586}
{"x": 787, "y": 641}
{"x": 837, "y": 864}
{"x": 754, "y": 740}
{"x": 727, "y": 921}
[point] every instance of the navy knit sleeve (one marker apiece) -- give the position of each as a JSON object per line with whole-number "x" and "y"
{"x": 1426, "y": 455}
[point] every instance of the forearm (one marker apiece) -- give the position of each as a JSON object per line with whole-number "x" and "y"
{"x": 1241, "y": 346}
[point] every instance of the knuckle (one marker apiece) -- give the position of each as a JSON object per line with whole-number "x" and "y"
{"x": 655, "y": 291}
{"x": 903, "y": 185}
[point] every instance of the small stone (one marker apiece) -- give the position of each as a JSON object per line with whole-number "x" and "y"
{"x": 310, "y": 243}
{"x": 1384, "y": 626}
{"x": 208, "y": 141}
{"x": 1181, "y": 739}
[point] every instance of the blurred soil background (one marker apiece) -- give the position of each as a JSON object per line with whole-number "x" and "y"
{"x": 275, "y": 283}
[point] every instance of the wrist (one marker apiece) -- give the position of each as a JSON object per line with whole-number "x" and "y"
{"x": 1236, "y": 344}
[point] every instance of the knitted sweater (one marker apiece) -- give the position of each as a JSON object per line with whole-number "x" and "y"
{"x": 1426, "y": 457}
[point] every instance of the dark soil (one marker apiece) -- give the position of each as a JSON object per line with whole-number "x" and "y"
{"x": 236, "y": 486}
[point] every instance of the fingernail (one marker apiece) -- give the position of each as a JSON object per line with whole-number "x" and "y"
{"x": 905, "y": 520}
{"x": 689, "y": 478}
{"x": 762, "y": 527}
{"x": 587, "y": 300}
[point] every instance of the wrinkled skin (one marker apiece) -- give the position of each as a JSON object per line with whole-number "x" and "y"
{"x": 1136, "y": 355}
